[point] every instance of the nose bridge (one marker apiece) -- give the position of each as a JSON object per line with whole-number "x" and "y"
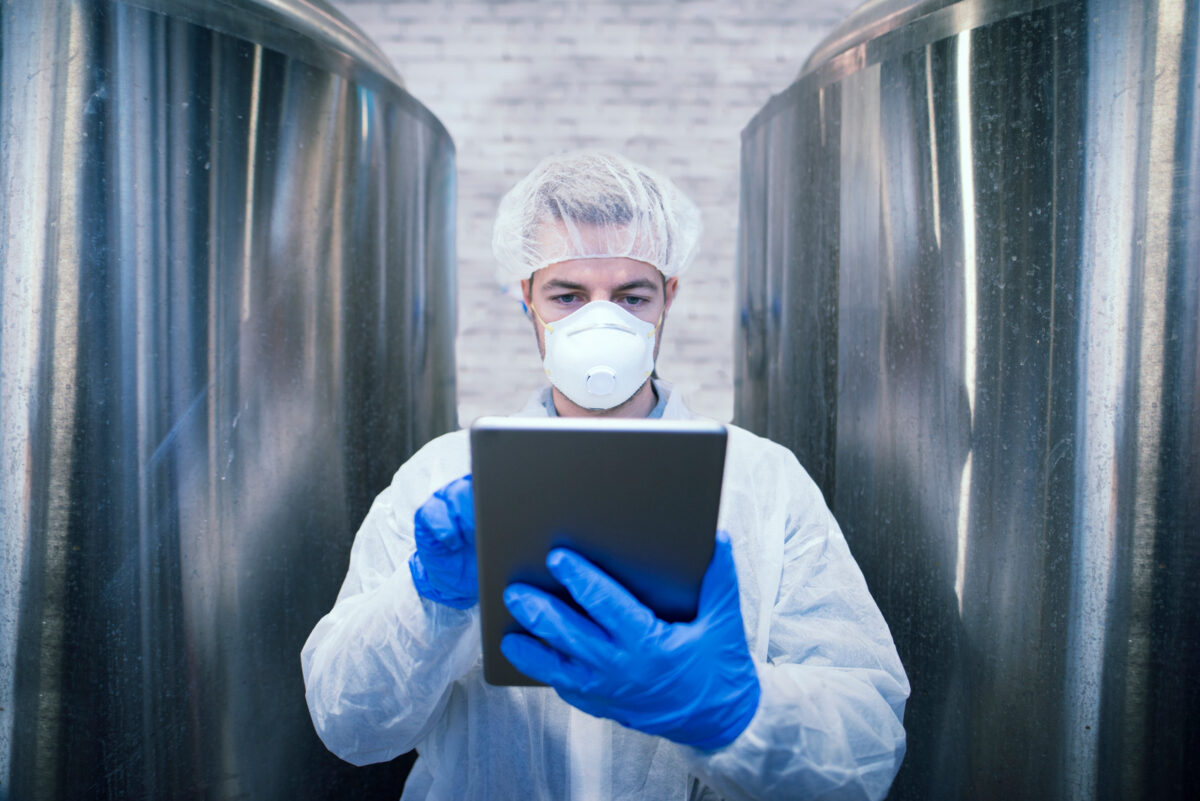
{"x": 600, "y": 315}
{"x": 606, "y": 325}
{"x": 583, "y": 319}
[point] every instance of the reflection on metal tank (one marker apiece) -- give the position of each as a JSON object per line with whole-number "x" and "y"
{"x": 970, "y": 284}
{"x": 227, "y": 248}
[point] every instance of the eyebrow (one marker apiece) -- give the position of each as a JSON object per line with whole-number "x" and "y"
{"x": 558, "y": 283}
{"x": 640, "y": 283}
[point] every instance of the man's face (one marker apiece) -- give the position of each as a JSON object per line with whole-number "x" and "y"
{"x": 562, "y": 288}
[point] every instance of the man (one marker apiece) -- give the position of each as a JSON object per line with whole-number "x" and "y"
{"x": 787, "y": 684}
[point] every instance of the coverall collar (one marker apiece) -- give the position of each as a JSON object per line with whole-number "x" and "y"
{"x": 673, "y": 410}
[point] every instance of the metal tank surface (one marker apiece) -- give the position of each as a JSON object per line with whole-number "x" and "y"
{"x": 226, "y": 234}
{"x": 969, "y": 284}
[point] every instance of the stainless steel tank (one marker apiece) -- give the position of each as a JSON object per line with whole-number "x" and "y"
{"x": 226, "y": 233}
{"x": 969, "y": 285}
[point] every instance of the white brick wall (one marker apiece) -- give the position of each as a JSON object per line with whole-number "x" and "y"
{"x": 669, "y": 83}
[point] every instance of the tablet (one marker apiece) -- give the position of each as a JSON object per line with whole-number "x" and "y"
{"x": 639, "y": 498}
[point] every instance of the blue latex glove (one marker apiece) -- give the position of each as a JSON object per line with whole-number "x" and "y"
{"x": 693, "y": 683}
{"x": 443, "y": 566}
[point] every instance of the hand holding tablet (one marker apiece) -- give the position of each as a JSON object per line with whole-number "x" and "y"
{"x": 693, "y": 683}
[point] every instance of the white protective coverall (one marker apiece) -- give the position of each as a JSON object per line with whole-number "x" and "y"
{"x": 387, "y": 671}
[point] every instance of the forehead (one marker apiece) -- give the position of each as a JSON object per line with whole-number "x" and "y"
{"x": 598, "y": 273}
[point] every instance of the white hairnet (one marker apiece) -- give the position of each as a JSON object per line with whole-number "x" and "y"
{"x": 593, "y": 204}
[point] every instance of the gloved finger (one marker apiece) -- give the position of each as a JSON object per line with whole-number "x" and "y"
{"x": 564, "y": 629}
{"x": 439, "y": 527}
{"x": 543, "y": 663}
{"x": 608, "y": 603}
{"x": 463, "y": 598}
{"x": 460, "y": 500}
{"x": 719, "y": 587}
{"x": 434, "y": 529}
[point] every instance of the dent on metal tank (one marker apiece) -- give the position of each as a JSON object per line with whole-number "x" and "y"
{"x": 969, "y": 297}
{"x": 227, "y": 240}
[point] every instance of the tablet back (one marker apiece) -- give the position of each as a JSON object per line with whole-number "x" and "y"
{"x": 639, "y": 498}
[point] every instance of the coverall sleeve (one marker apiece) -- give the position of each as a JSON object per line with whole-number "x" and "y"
{"x": 378, "y": 667}
{"x": 829, "y": 720}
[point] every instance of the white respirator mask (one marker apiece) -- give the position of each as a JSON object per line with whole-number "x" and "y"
{"x": 599, "y": 355}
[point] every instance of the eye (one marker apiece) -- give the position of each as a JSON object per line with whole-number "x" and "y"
{"x": 634, "y": 301}
{"x": 565, "y": 299}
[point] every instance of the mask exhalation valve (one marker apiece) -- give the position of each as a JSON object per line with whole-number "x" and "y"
{"x": 601, "y": 380}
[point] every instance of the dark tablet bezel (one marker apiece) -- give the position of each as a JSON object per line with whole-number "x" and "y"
{"x": 638, "y": 497}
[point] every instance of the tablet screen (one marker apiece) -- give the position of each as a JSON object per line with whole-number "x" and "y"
{"x": 639, "y": 498}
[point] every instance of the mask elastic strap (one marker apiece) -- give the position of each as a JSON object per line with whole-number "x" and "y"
{"x": 539, "y": 318}
{"x": 656, "y": 325}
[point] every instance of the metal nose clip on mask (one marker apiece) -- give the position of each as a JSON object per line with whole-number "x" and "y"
{"x": 599, "y": 355}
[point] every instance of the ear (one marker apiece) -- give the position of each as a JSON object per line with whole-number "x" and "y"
{"x": 669, "y": 289}
{"x": 526, "y": 295}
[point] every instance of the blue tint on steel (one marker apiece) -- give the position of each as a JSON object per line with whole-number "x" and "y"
{"x": 969, "y": 294}
{"x": 217, "y": 221}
